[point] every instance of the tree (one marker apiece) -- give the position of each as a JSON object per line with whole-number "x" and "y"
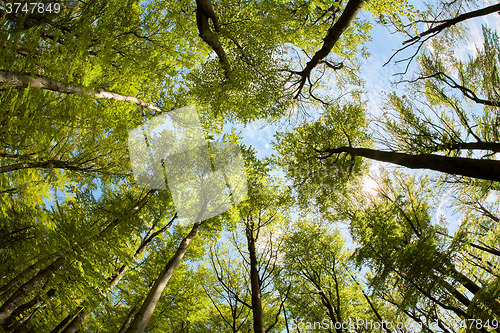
{"x": 83, "y": 247}
{"x": 228, "y": 291}
{"x": 145, "y": 312}
{"x": 56, "y": 260}
{"x": 256, "y": 243}
{"x": 83, "y": 312}
{"x": 401, "y": 245}
{"x": 443, "y": 18}
{"x": 321, "y": 180}
{"x": 324, "y": 289}
{"x": 417, "y": 135}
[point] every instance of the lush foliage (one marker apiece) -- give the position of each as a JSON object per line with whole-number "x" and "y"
{"x": 327, "y": 239}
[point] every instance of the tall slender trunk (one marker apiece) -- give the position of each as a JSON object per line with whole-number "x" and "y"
{"x": 468, "y": 167}
{"x": 85, "y": 311}
{"x": 13, "y": 302}
{"x": 465, "y": 281}
{"x": 19, "y": 325}
{"x": 38, "y": 82}
{"x": 74, "y": 325}
{"x": 258, "y": 316}
{"x": 128, "y": 320}
{"x": 64, "y": 322}
{"x": 471, "y": 286}
{"x": 26, "y": 272}
{"x": 133, "y": 311}
{"x": 26, "y": 306}
{"x": 148, "y": 306}
{"x": 453, "y": 291}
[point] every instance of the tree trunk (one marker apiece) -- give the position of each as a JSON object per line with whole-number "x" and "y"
{"x": 26, "y": 306}
{"x": 258, "y": 316}
{"x": 38, "y": 82}
{"x": 13, "y": 302}
{"x": 468, "y": 167}
{"x": 63, "y": 322}
{"x": 464, "y": 280}
{"x": 84, "y": 312}
{"x": 128, "y": 320}
{"x": 204, "y": 12}
{"x": 350, "y": 12}
{"x": 26, "y": 272}
{"x": 331, "y": 312}
{"x": 74, "y": 325}
{"x": 460, "y": 18}
{"x": 146, "y": 311}
{"x": 65, "y": 165}
{"x": 19, "y": 325}
{"x": 458, "y": 295}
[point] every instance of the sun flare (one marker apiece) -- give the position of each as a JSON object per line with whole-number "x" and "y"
{"x": 369, "y": 186}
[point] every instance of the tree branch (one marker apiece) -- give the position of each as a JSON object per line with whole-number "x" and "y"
{"x": 468, "y": 167}
{"x": 204, "y": 12}
{"x": 333, "y": 35}
{"x": 38, "y": 82}
{"x": 460, "y": 18}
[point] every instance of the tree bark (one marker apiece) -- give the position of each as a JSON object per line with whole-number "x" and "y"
{"x": 63, "y": 322}
{"x": 258, "y": 316}
{"x": 350, "y": 12}
{"x": 13, "y": 302}
{"x": 464, "y": 281}
{"x": 30, "y": 269}
{"x": 84, "y": 311}
{"x": 486, "y": 249}
{"x": 77, "y": 321}
{"x": 468, "y": 167}
{"x": 204, "y": 12}
{"x": 38, "y": 82}
{"x": 128, "y": 320}
{"x": 146, "y": 311}
{"x": 492, "y": 146}
{"x": 454, "y": 292}
{"x": 460, "y": 18}
{"x": 26, "y": 306}
{"x": 47, "y": 164}
{"x": 18, "y": 326}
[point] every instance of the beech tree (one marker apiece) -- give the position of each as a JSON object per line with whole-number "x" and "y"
{"x": 438, "y": 132}
{"x": 84, "y": 248}
{"x": 419, "y": 257}
{"x": 317, "y": 266}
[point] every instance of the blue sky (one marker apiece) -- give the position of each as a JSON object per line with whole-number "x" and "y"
{"x": 379, "y": 80}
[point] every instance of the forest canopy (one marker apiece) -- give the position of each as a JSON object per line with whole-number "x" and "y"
{"x": 370, "y": 210}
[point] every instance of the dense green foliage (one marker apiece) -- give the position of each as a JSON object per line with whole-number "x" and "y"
{"x": 326, "y": 240}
